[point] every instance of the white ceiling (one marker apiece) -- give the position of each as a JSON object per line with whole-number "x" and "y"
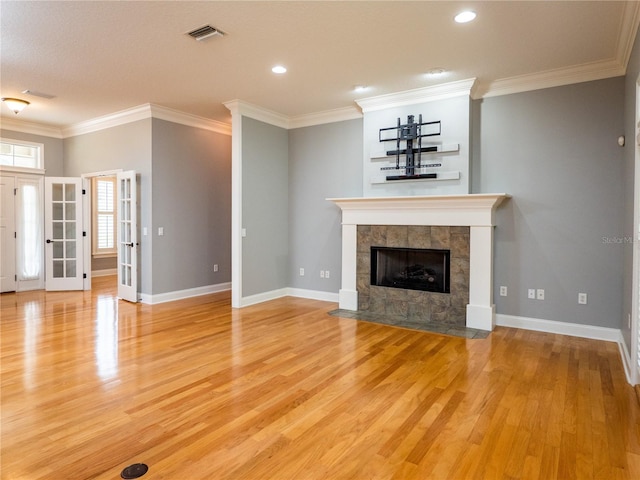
{"x": 102, "y": 57}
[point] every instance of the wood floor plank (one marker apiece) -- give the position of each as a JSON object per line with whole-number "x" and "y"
{"x": 282, "y": 390}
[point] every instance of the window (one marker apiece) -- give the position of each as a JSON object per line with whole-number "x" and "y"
{"x": 104, "y": 216}
{"x": 16, "y": 153}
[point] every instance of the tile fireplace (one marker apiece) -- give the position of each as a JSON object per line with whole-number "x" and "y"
{"x": 406, "y": 222}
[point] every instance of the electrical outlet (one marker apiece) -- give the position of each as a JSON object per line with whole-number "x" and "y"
{"x": 326, "y": 274}
{"x": 540, "y": 294}
{"x": 582, "y": 298}
{"x": 321, "y": 273}
{"x": 302, "y": 272}
{"x": 531, "y": 293}
{"x": 503, "y": 291}
{"x": 215, "y": 267}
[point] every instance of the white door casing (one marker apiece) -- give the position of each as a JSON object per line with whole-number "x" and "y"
{"x": 127, "y": 236}
{"x": 64, "y": 258}
{"x": 635, "y": 308}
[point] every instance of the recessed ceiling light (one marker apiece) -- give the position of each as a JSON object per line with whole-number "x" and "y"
{"x": 279, "y": 69}
{"x": 435, "y": 72}
{"x": 464, "y": 17}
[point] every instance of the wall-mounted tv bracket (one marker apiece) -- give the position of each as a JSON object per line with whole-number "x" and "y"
{"x": 409, "y": 133}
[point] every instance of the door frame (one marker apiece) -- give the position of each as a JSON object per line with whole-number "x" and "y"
{"x": 635, "y": 283}
{"x": 88, "y": 216}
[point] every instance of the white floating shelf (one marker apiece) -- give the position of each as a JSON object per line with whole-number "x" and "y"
{"x": 451, "y": 175}
{"x": 381, "y": 154}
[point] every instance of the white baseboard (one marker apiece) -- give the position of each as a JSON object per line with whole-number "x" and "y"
{"x": 181, "y": 294}
{"x": 314, "y": 295}
{"x": 626, "y": 361}
{"x": 289, "y": 292}
{"x": 563, "y": 328}
{"x": 574, "y": 330}
{"x": 104, "y": 273}
{"x": 263, "y": 297}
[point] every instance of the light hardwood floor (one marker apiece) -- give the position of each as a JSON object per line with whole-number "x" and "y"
{"x": 282, "y": 390}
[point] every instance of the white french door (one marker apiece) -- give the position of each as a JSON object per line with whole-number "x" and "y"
{"x": 127, "y": 236}
{"x": 63, "y": 233}
{"x": 7, "y": 235}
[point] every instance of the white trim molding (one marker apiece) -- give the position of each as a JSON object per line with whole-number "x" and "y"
{"x": 142, "y": 112}
{"x": 418, "y": 95}
{"x": 289, "y": 292}
{"x": 562, "y": 328}
{"x": 262, "y": 297}
{"x": 182, "y": 294}
{"x": 7, "y": 123}
{"x": 313, "y": 295}
{"x": 236, "y": 203}
{"x": 551, "y": 78}
{"x": 257, "y": 113}
{"x": 592, "y": 332}
{"x": 283, "y": 121}
{"x": 327, "y": 116}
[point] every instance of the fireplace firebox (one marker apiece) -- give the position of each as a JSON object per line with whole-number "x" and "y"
{"x": 411, "y": 268}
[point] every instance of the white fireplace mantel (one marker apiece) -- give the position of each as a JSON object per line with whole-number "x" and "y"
{"x": 475, "y": 211}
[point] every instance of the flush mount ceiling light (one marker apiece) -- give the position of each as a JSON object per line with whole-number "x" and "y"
{"x": 205, "y": 32}
{"x": 464, "y": 17}
{"x": 15, "y": 104}
{"x": 360, "y": 88}
{"x": 279, "y": 69}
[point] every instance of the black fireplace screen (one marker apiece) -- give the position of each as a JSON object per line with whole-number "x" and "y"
{"x": 411, "y": 268}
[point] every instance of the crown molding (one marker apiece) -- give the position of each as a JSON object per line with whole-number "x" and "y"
{"x": 143, "y": 112}
{"x": 418, "y": 95}
{"x": 551, "y": 78}
{"x": 240, "y": 107}
{"x": 170, "y": 115}
{"x": 327, "y": 116}
{"x": 586, "y": 72}
{"x": 42, "y": 130}
{"x": 628, "y": 30}
{"x": 111, "y": 120}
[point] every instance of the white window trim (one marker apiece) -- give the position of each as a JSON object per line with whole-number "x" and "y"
{"x": 95, "y": 251}
{"x": 11, "y": 168}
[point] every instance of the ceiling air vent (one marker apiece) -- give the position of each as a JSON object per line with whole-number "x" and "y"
{"x": 205, "y": 32}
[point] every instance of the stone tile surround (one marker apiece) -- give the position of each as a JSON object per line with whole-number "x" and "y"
{"x": 409, "y": 307}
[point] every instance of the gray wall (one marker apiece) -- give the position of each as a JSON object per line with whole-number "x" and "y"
{"x": 630, "y": 148}
{"x": 127, "y": 147}
{"x": 53, "y": 150}
{"x": 191, "y": 196}
{"x": 265, "y": 182}
{"x": 324, "y": 162}
{"x": 555, "y": 151}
